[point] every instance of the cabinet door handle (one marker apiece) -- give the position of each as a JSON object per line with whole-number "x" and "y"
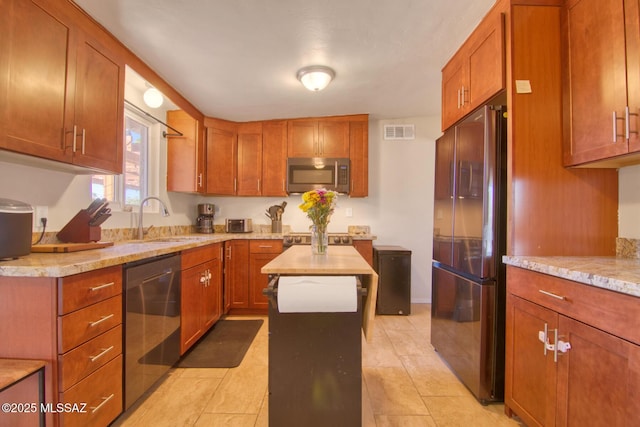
{"x": 75, "y": 137}
{"x": 543, "y": 337}
{"x": 102, "y": 319}
{"x": 83, "y": 138}
{"x": 258, "y": 184}
{"x": 551, "y": 294}
{"x": 102, "y": 353}
{"x": 97, "y": 288}
{"x": 199, "y": 180}
{"x": 104, "y": 400}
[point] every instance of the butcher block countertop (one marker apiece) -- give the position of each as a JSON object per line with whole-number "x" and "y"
{"x": 613, "y": 273}
{"x": 340, "y": 260}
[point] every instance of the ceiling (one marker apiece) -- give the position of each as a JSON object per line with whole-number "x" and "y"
{"x": 238, "y": 59}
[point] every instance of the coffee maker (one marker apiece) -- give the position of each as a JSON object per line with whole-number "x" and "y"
{"x": 204, "y": 223}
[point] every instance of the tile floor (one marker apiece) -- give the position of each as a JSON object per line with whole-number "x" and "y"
{"x": 405, "y": 383}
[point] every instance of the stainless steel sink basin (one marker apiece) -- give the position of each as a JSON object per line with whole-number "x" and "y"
{"x": 177, "y": 239}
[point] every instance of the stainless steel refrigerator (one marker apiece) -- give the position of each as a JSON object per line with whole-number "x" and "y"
{"x": 468, "y": 287}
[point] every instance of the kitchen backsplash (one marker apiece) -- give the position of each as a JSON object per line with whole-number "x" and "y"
{"x": 628, "y": 248}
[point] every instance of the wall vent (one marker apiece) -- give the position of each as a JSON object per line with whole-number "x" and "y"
{"x": 399, "y": 132}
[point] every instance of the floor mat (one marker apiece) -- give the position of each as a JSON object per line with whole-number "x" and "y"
{"x": 224, "y": 346}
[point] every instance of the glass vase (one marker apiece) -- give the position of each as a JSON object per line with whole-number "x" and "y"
{"x": 319, "y": 239}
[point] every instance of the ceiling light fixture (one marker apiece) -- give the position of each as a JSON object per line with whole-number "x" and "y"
{"x": 316, "y": 77}
{"x": 153, "y": 97}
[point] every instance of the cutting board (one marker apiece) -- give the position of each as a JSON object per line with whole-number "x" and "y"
{"x": 69, "y": 247}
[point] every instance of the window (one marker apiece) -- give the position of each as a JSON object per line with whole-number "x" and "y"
{"x": 130, "y": 188}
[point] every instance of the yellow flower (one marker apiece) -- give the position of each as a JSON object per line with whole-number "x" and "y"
{"x": 319, "y": 205}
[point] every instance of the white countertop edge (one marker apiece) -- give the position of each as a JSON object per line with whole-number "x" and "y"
{"x": 615, "y": 274}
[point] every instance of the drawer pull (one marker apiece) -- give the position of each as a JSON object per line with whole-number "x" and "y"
{"x": 560, "y": 297}
{"x": 106, "y": 285}
{"x": 104, "y": 400}
{"x": 102, "y": 319}
{"x": 265, "y": 246}
{"x": 104, "y": 351}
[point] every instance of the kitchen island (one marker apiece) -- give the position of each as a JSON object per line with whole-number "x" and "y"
{"x": 315, "y": 339}
{"x": 341, "y": 260}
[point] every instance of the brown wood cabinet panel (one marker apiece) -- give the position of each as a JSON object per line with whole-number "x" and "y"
{"x": 365, "y": 248}
{"x": 88, "y": 357}
{"x": 185, "y": 154}
{"x": 303, "y": 138}
{"x": 274, "y": 158}
{"x": 552, "y": 210}
{"x": 236, "y": 275}
{"x": 596, "y": 79}
{"x": 261, "y": 252}
{"x": 62, "y": 90}
{"x": 89, "y": 322}
{"x": 476, "y": 72}
{"x": 598, "y": 378}
{"x": 102, "y": 392}
{"x": 565, "y": 388}
{"x": 99, "y": 108}
{"x": 35, "y": 60}
{"x": 249, "y": 160}
{"x": 359, "y": 156}
{"x": 191, "y": 325}
{"x": 530, "y": 376}
{"x": 327, "y": 137}
{"x": 222, "y": 155}
{"x": 201, "y": 293}
{"x": 333, "y": 138}
{"x": 84, "y": 289}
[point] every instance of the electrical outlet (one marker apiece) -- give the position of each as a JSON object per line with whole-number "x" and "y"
{"x": 348, "y": 212}
{"x": 38, "y": 213}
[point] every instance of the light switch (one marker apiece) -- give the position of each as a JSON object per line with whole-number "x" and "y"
{"x": 348, "y": 212}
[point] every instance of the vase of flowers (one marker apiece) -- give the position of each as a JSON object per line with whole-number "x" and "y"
{"x": 319, "y": 205}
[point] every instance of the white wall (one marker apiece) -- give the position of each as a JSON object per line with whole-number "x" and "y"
{"x": 629, "y": 202}
{"x": 399, "y": 208}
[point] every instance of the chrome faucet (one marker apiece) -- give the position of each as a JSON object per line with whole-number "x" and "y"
{"x": 164, "y": 212}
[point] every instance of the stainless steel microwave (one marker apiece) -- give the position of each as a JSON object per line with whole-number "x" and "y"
{"x": 312, "y": 173}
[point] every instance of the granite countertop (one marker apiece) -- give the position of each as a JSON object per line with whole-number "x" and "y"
{"x": 66, "y": 264}
{"x": 612, "y": 273}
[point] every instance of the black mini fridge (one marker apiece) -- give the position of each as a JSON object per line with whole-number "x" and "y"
{"x": 393, "y": 265}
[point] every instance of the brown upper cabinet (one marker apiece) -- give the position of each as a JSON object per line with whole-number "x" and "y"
{"x": 222, "y": 155}
{"x": 62, "y": 88}
{"x": 250, "y": 159}
{"x": 319, "y": 137}
{"x": 475, "y": 73}
{"x": 274, "y": 158}
{"x": 185, "y": 154}
{"x": 601, "y": 82}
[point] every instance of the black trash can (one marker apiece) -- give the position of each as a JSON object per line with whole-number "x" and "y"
{"x": 393, "y": 265}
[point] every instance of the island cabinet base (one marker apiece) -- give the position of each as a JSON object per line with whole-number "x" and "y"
{"x": 315, "y": 369}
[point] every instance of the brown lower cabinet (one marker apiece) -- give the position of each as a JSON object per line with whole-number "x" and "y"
{"x": 593, "y": 380}
{"x": 73, "y": 323}
{"x": 243, "y": 280}
{"x": 365, "y": 248}
{"x": 201, "y": 292}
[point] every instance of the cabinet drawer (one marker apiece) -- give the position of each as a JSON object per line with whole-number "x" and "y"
{"x": 609, "y": 311}
{"x": 265, "y": 246}
{"x": 81, "y": 290}
{"x": 88, "y": 357}
{"x": 82, "y": 325}
{"x": 192, "y": 257}
{"x": 102, "y": 393}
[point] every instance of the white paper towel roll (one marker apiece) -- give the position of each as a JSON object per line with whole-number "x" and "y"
{"x": 317, "y": 294}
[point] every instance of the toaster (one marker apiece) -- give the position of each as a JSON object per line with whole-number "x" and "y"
{"x": 243, "y": 225}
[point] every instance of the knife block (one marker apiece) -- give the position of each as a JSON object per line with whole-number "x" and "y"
{"x": 78, "y": 230}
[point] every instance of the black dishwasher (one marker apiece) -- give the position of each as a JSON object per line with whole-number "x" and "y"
{"x": 152, "y": 322}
